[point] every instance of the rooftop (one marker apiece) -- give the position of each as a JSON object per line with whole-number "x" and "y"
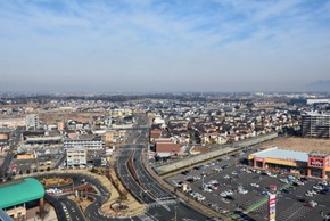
{"x": 283, "y": 154}
{"x": 18, "y": 192}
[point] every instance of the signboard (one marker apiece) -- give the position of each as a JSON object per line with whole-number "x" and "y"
{"x": 271, "y": 207}
{"x": 316, "y": 161}
{"x": 259, "y": 159}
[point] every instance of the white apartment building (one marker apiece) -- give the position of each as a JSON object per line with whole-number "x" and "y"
{"x": 32, "y": 122}
{"x": 76, "y": 156}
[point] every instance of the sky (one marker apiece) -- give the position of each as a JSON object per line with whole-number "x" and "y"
{"x": 168, "y": 45}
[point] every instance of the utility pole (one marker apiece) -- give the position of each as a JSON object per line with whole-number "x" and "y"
{"x": 204, "y": 175}
{"x": 175, "y": 213}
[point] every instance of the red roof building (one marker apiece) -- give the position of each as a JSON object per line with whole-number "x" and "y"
{"x": 168, "y": 148}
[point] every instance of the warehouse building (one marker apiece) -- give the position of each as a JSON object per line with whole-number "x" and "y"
{"x": 307, "y": 164}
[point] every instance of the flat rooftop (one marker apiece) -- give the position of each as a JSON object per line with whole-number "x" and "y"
{"x": 275, "y": 152}
{"x": 19, "y": 192}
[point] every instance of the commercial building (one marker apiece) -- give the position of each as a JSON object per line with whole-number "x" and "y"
{"x": 316, "y": 125}
{"x": 306, "y": 164}
{"x": 76, "y": 156}
{"x": 17, "y": 197}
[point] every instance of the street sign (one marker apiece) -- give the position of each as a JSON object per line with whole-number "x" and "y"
{"x": 271, "y": 207}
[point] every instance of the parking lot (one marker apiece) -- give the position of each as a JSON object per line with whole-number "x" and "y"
{"x": 233, "y": 188}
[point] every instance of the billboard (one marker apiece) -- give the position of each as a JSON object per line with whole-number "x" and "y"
{"x": 259, "y": 159}
{"x": 271, "y": 207}
{"x": 316, "y": 161}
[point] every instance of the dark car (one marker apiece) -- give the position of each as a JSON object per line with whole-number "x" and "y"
{"x": 196, "y": 167}
{"x": 302, "y": 200}
{"x": 325, "y": 191}
{"x": 229, "y": 197}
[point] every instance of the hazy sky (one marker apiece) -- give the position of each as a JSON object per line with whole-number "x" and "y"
{"x": 146, "y": 45}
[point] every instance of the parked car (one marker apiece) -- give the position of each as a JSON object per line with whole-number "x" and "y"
{"x": 302, "y": 200}
{"x": 317, "y": 187}
{"x": 274, "y": 175}
{"x": 254, "y": 185}
{"x": 243, "y": 191}
{"x": 312, "y": 203}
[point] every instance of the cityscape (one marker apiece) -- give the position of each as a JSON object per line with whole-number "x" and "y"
{"x": 164, "y": 110}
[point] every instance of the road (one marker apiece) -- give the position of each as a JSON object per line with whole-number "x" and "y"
{"x": 91, "y": 213}
{"x": 126, "y": 177}
{"x": 162, "y": 206}
{"x": 13, "y": 142}
{"x": 66, "y": 209}
{"x": 147, "y": 182}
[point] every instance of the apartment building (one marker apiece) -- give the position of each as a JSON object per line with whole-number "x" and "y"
{"x": 76, "y": 156}
{"x": 316, "y": 125}
{"x": 32, "y": 122}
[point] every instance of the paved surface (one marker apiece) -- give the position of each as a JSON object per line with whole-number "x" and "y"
{"x": 162, "y": 205}
{"x": 147, "y": 182}
{"x": 128, "y": 181}
{"x": 66, "y": 209}
{"x": 91, "y": 212}
{"x": 289, "y": 205}
{"x": 13, "y": 142}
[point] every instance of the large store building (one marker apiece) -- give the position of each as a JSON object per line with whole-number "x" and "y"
{"x": 308, "y": 164}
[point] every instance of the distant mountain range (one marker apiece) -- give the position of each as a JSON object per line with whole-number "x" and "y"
{"x": 319, "y": 86}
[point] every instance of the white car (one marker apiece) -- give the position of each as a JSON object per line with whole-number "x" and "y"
{"x": 229, "y": 192}
{"x": 312, "y": 203}
{"x": 208, "y": 189}
{"x": 254, "y": 185}
{"x": 317, "y": 187}
{"x": 226, "y": 177}
{"x": 196, "y": 178}
{"x": 213, "y": 181}
{"x": 324, "y": 183}
{"x": 234, "y": 173}
{"x": 243, "y": 191}
{"x": 300, "y": 183}
{"x": 309, "y": 194}
{"x": 201, "y": 197}
{"x": 223, "y": 194}
{"x": 273, "y": 175}
{"x": 194, "y": 194}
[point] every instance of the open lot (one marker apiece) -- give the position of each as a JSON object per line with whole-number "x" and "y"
{"x": 299, "y": 144}
{"x": 230, "y": 187}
